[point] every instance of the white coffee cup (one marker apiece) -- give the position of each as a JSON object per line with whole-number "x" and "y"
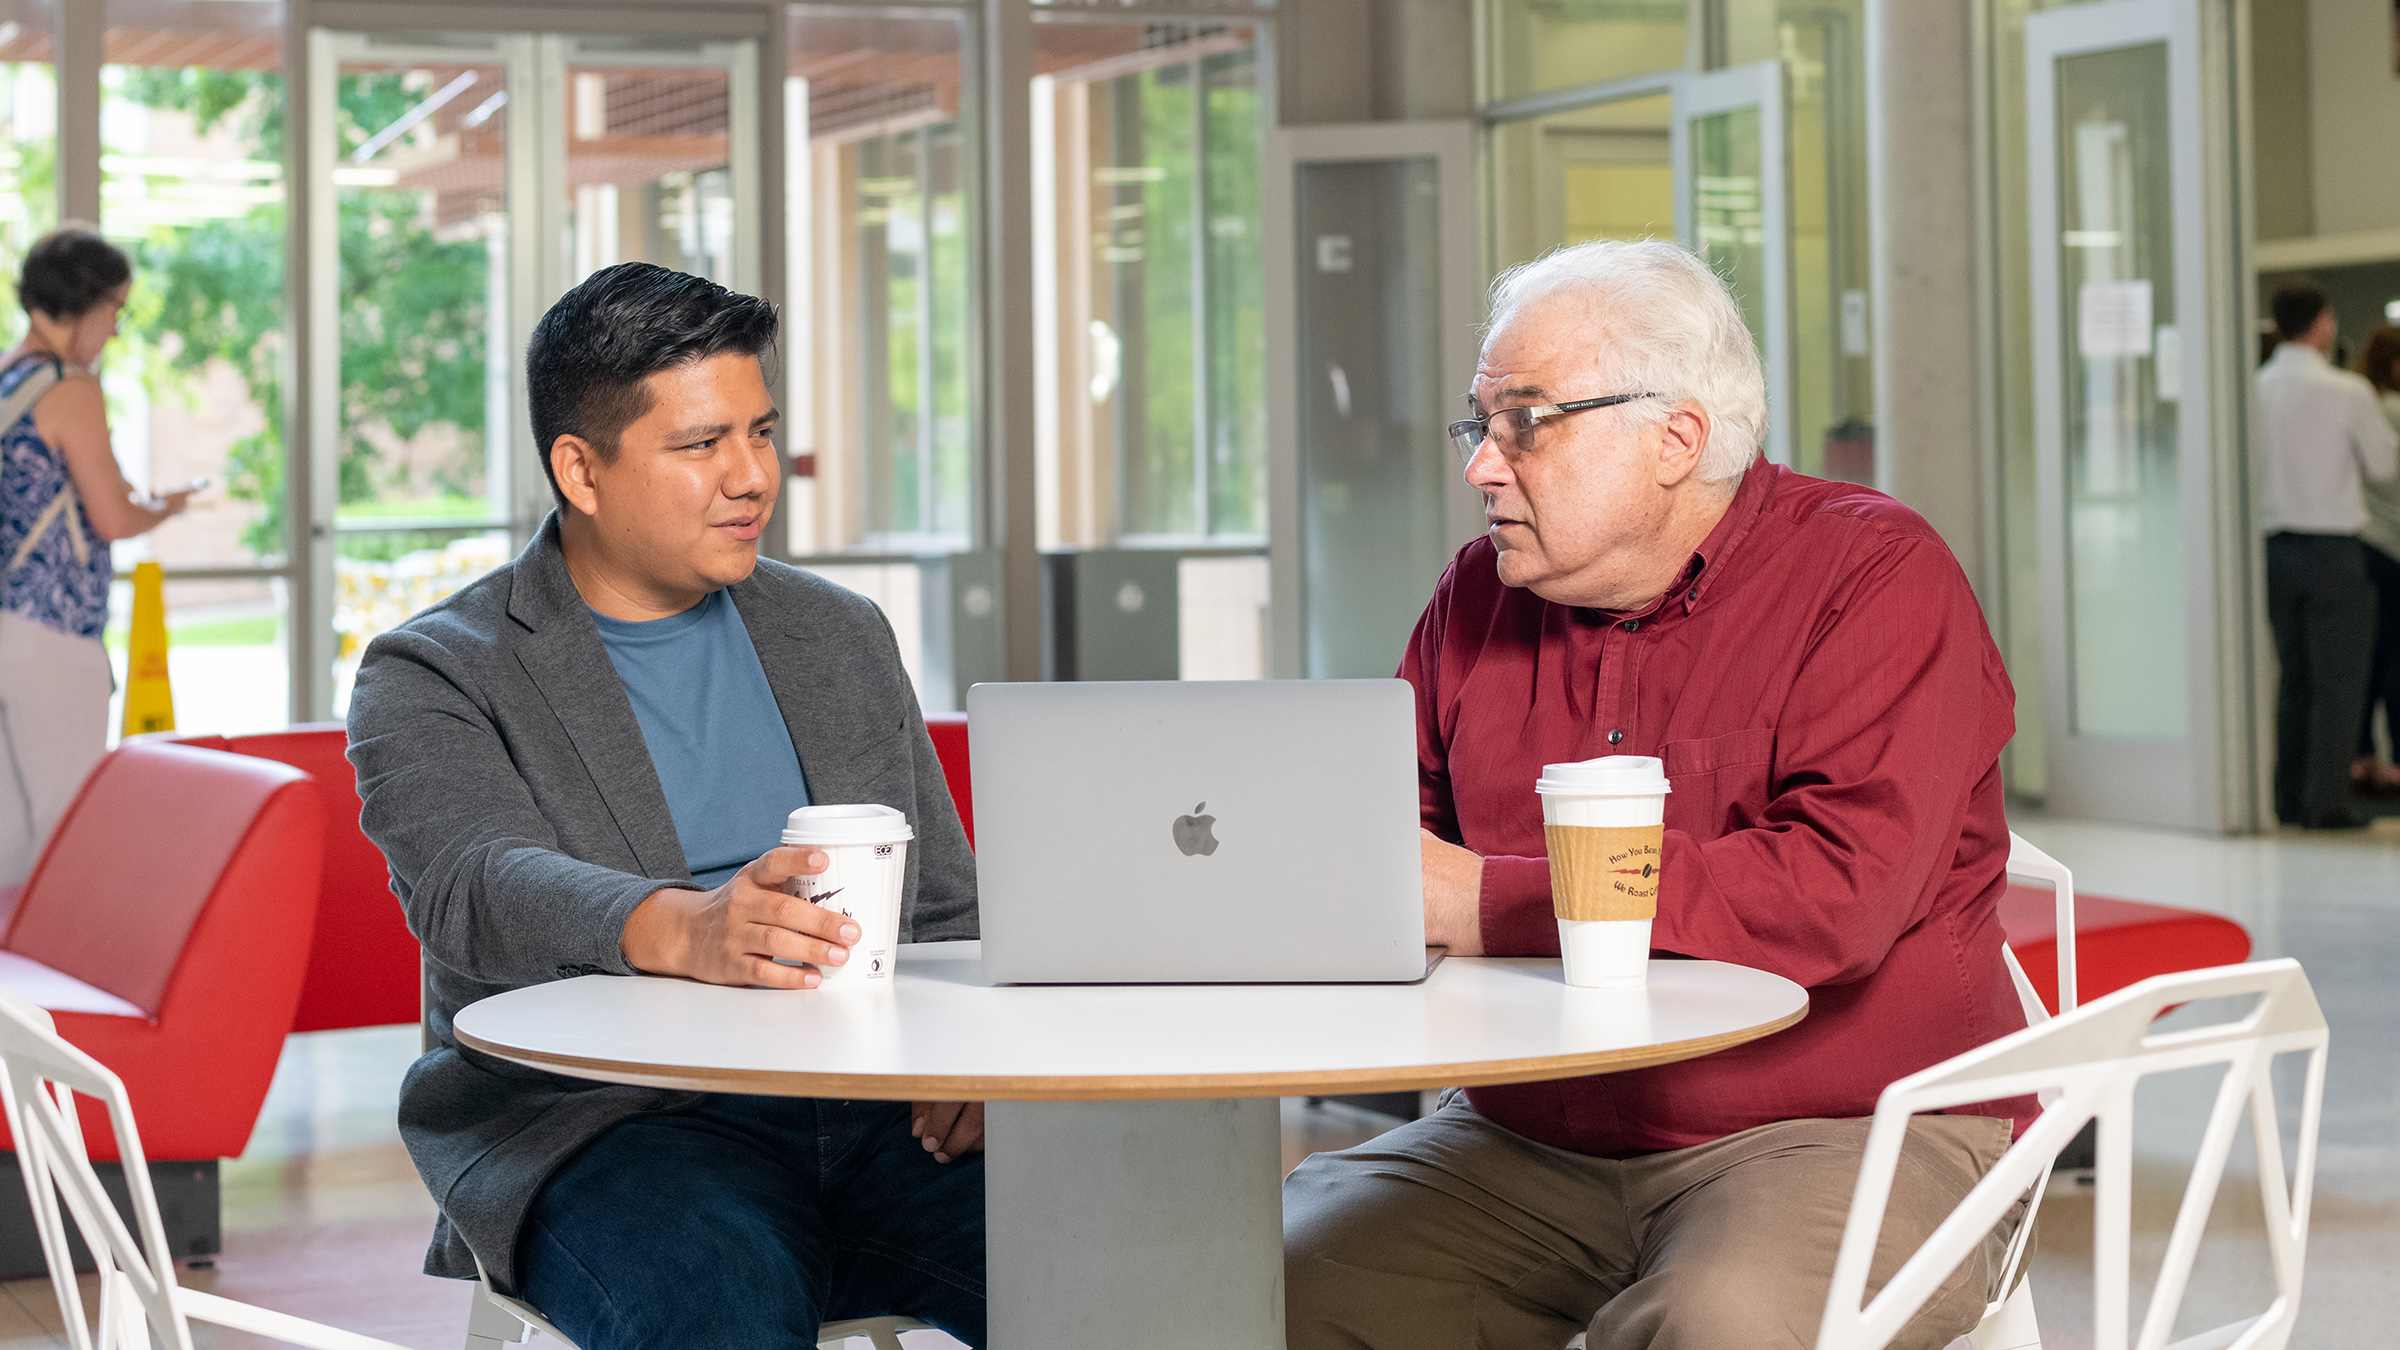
{"x": 1605, "y": 823}
{"x": 866, "y": 866}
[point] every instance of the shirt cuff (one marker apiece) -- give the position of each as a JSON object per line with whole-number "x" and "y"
{"x": 1517, "y": 916}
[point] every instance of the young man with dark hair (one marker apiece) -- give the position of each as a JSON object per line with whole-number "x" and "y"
{"x": 2322, "y": 433}
{"x": 580, "y": 765}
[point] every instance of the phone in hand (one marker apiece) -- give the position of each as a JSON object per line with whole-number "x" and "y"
{"x": 193, "y": 486}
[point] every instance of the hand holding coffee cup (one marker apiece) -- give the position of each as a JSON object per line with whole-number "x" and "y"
{"x": 1605, "y": 822}
{"x": 866, "y": 869}
{"x": 748, "y": 931}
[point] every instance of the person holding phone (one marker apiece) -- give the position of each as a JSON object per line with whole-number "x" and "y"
{"x": 63, "y": 501}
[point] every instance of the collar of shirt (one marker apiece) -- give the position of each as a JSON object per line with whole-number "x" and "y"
{"x": 1708, "y": 561}
{"x": 2300, "y": 352}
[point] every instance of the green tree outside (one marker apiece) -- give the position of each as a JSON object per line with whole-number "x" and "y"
{"x": 411, "y": 304}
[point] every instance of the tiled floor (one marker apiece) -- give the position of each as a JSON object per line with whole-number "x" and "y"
{"x": 324, "y": 1216}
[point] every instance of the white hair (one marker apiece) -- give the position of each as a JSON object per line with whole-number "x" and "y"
{"x": 1663, "y": 324}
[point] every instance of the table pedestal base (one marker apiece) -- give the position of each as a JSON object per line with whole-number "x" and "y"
{"x": 1149, "y": 1223}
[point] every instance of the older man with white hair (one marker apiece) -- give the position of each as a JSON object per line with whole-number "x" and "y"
{"x": 1808, "y": 660}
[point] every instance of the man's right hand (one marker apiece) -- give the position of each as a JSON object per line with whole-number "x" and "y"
{"x": 732, "y": 934}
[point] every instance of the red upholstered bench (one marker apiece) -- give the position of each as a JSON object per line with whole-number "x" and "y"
{"x": 362, "y": 971}
{"x": 2117, "y": 942}
{"x": 166, "y": 926}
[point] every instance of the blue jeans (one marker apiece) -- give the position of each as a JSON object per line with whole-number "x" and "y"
{"x": 746, "y": 1221}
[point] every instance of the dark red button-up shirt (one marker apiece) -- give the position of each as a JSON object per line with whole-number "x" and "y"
{"x": 1831, "y": 710}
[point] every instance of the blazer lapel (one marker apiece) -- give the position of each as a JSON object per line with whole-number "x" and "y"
{"x": 562, "y": 655}
{"x": 841, "y": 714}
{"x": 826, "y": 753}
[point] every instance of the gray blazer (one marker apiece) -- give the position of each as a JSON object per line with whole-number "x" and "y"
{"x": 508, "y": 785}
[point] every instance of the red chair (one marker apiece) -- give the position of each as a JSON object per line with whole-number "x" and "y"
{"x": 166, "y": 927}
{"x": 949, "y": 732}
{"x": 2117, "y": 942}
{"x": 362, "y": 971}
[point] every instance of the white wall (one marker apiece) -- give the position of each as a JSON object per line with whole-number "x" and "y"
{"x": 2354, "y": 111}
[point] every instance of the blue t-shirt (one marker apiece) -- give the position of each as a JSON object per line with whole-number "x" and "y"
{"x": 715, "y": 735}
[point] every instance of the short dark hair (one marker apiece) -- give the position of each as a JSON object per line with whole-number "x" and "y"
{"x": 69, "y": 270}
{"x": 2296, "y": 309}
{"x": 588, "y": 356}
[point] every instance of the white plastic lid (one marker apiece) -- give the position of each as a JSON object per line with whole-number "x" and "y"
{"x": 1608, "y": 776}
{"x": 864, "y": 823}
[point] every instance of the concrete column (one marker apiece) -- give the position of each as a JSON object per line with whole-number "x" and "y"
{"x": 1326, "y": 65}
{"x": 81, "y": 26}
{"x": 1424, "y": 60}
{"x": 1922, "y": 203}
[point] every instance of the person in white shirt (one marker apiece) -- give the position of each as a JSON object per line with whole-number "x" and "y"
{"x": 2380, "y": 363}
{"x": 2323, "y": 436}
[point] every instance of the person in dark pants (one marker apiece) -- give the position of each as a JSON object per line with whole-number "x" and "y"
{"x": 2323, "y": 437}
{"x": 2380, "y": 363}
{"x": 580, "y": 765}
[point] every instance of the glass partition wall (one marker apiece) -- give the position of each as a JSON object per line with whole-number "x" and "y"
{"x": 881, "y": 265}
{"x": 1149, "y": 334}
{"x": 192, "y": 119}
{"x": 1148, "y": 281}
{"x": 462, "y": 182}
{"x": 1615, "y": 122}
{"x": 456, "y": 182}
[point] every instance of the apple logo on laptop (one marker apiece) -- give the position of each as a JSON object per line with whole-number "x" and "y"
{"x": 1194, "y": 834}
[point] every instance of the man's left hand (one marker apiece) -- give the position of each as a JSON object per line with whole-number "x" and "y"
{"x": 947, "y": 1129}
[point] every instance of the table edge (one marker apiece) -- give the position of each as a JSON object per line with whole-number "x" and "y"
{"x": 1130, "y": 1087}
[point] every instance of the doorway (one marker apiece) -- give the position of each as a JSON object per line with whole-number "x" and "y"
{"x": 2135, "y": 357}
{"x": 463, "y": 183}
{"x": 1703, "y": 158}
{"x": 1373, "y": 306}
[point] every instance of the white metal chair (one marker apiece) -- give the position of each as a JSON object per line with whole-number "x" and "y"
{"x": 2092, "y": 1060}
{"x": 496, "y": 1320}
{"x": 2008, "y": 1324}
{"x": 39, "y": 1077}
{"x": 2024, "y": 860}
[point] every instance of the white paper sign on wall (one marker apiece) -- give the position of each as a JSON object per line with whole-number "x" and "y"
{"x": 2112, "y": 318}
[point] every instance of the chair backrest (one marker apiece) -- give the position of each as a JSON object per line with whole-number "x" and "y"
{"x": 2095, "y": 1057}
{"x": 133, "y": 862}
{"x": 362, "y": 970}
{"x": 949, "y": 733}
{"x": 39, "y": 1072}
{"x": 2024, "y": 860}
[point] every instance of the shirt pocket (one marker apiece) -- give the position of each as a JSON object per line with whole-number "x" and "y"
{"x": 1721, "y": 783}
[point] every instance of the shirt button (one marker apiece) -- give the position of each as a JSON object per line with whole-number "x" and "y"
{"x": 1631, "y": 625}
{"x": 1616, "y": 736}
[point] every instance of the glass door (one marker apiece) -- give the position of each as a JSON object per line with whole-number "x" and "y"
{"x": 1703, "y": 158}
{"x": 1371, "y": 235}
{"x": 1733, "y": 207}
{"x": 412, "y": 234}
{"x": 466, "y": 182}
{"x": 2125, "y": 428}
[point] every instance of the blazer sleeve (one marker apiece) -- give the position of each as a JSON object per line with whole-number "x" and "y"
{"x": 477, "y": 867}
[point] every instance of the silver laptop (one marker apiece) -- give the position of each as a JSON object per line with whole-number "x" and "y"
{"x": 1201, "y": 832}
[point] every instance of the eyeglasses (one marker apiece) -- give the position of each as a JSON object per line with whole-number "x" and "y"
{"x": 1512, "y": 428}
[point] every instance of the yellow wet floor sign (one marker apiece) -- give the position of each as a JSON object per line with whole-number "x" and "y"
{"x": 149, "y": 698}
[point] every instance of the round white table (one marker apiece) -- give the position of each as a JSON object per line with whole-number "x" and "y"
{"x": 1133, "y": 1179}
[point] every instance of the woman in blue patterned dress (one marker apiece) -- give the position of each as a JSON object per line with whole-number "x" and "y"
{"x": 62, "y": 499}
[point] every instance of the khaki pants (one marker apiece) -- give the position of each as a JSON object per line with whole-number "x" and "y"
{"x": 54, "y": 692}
{"x": 1452, "y": 1232}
